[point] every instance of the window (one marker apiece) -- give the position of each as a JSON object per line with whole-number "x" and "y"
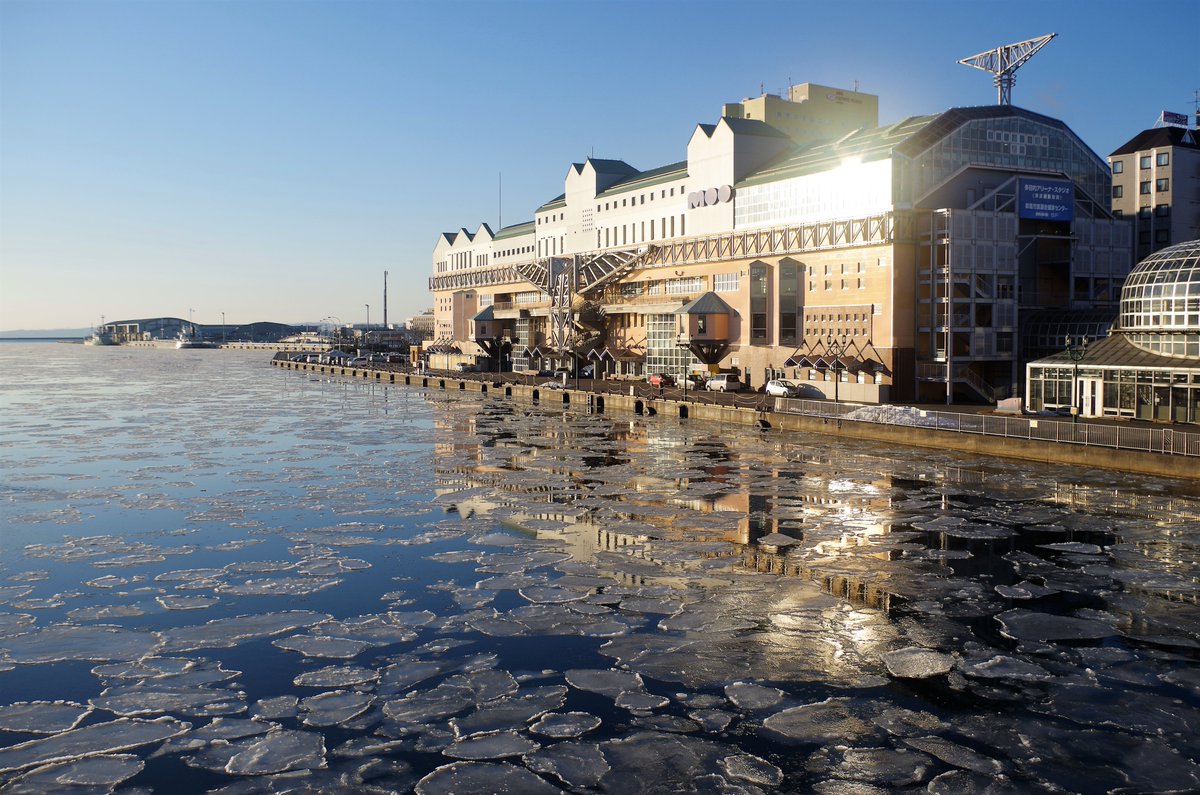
{"x": 1163, "y": 159}
{"x": 1162, "y": 210}
{"x": 1143, "y": 212}
{"x": 1118, "y": 191}
{"x": 1162, "y": 185}
{"x": 1144, "y": 189}
{"x": 726, "y": 282}
{"x": 1145, "y": 162}
{"x": 1162, "y": 236}
{"x": 1118, "y": 166}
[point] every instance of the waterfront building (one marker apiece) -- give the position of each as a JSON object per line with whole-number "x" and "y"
{"x": 1148, "y": 367}
{"x": 903, "y": 260}
{"x": 1156, "y": 184}
{"x": 169, "y": 328}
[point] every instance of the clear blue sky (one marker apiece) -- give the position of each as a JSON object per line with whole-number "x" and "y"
{"x": 269, "y": 159}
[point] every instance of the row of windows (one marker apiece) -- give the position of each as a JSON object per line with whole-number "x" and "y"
{"x": 512, "y": 252}
{"x": 1160, "y": 159}
{"x": 634, "y": 201}
{"x": 847, "y": 284}
{"x": 1161, "y": 185}
{"x": 659, "y": 228}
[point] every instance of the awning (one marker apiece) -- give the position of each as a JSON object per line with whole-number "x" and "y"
{"x": 798, "y": 361}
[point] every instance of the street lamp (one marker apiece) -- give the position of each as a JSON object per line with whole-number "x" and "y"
{"x": 223, "y": 340}
{"x": 1076, "y": 355}
{"x": 836, "y": 348}
{"x": 367, "y": 330}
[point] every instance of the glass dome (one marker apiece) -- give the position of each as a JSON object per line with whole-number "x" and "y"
{"x": 1160, "y": 303}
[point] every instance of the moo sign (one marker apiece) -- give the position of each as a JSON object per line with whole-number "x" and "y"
{"x": 710, "y": 197}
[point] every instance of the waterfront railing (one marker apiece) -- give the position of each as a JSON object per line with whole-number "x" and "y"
{"x": 1153, "y": 440}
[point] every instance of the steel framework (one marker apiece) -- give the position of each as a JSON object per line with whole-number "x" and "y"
{"x": 1003, "y": 63}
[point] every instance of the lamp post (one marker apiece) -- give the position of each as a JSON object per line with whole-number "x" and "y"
{"x": 836, "y": 348}
{"x": 223, "y": 340}
{"x": 367, "y": 330}
{"x": 1076, "y": 355}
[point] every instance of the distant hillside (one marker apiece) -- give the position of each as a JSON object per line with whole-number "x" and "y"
{"x": 23, "y": 333}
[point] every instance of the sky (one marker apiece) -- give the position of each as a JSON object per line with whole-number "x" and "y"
{"x": 271, "y": 159}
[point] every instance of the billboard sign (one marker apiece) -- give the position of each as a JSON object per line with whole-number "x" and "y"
{"x": 1046, "y": 199}
{"x": 1176, "y": 119}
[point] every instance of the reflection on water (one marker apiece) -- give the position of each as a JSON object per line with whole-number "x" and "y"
{"x": 215, "y": 574}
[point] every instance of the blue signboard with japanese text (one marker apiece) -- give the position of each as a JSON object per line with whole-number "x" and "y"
{"x": 1046, "y": 199}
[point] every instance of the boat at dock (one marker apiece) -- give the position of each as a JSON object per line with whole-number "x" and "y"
{"x": 188, "y": 339}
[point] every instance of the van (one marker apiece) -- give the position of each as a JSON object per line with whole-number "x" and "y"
{"x": 724, "y": 382}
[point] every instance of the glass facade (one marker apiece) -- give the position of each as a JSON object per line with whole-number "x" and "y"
{"x": 851, "y": 190}
{"x": 1016, "y": 142}
{"x": 1160, "y": 314}
{"x": 663, "y": 355}
{"x": 1162, "y": 294}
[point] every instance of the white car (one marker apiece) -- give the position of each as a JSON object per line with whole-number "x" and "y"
{"x": 724, "y": 382}
{"x": 783, "y": 387}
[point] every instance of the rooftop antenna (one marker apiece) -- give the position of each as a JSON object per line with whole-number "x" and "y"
{"x": 1003, "y": 62}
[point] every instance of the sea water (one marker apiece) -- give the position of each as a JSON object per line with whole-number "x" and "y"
{"x": 216, "y": 575}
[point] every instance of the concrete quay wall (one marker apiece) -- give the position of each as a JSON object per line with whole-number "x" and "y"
{"x": 1062, "y": 454}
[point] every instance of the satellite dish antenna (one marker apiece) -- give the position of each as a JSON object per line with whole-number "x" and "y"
{"x": 1003, "y": 62}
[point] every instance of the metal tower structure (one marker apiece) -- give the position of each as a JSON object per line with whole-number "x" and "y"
{"x": 1003, "y": 62}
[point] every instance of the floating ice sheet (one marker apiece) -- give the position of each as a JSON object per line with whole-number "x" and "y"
{"x": 96, "y": 739}
{"x": 42, "y": 717}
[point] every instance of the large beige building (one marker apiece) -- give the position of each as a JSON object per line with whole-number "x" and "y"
{"x": 900, "y": 259}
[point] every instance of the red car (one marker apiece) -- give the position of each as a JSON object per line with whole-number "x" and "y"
{"x": 661, "y": 379}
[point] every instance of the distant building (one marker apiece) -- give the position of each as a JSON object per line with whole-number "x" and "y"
{"x": 169, "y": 328}
{"x": 1148, "y": 368}
{"x": 1156, "y": 184}
{"x": 421, "y": 326}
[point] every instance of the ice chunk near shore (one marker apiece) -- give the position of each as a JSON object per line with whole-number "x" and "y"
{"x": 574, "y": 764}
{"x": 278, "y": 752}
{"x": 490, "y": 746}
{"x": 754, "y": 769}
{"x": 610, "y": 682}
{"x": 337, "y": 676}
{"x": 149, "y": 699}
{"x": 183, "y": 602}
{"x": 65, "y": 642}
{"x": 916, "y": 663}
{"x": 334, "y": 707}
{"x": 484, "y": 778}
{"x": 752, "y": 697}
{"x": 562, "y": 725}
{"x": 832, "y": 720}
{"x": 42, "y": 717}
{"x": 99, "y": 774}
{"x": 96, "y": 739}
{"x": 223, "y": 633}
{"x": 1026, "y": 625}
{"x": 323, "y": 646}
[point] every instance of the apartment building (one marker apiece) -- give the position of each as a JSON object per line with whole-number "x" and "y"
{"x": 1156, "y": 184}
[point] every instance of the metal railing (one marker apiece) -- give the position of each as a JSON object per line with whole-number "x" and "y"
{"x": 1152, "y": 440}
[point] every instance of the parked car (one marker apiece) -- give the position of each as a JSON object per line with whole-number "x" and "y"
{"x": 661, "y": 379}
{"x": 587, "y": 371}
{"x": 357, "y": 361}
{"x": 783, "y": 387}
{"x": 724, "y": 382}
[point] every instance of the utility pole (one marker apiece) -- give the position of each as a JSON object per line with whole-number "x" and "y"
{"x": 385, "y": 299}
